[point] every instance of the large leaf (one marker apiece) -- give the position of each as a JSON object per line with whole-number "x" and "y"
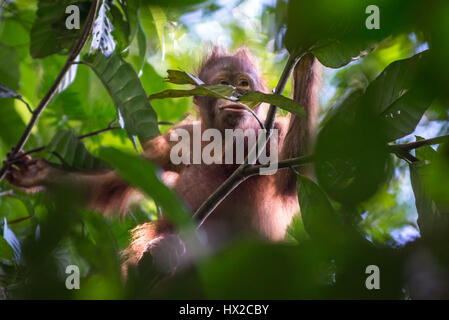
{"x": 256, "y": 97}
{"x": 397, "y": 96}
{"x": 131, "y": 9}
{"x": 49, "y": 33}
{"x": 6, "y": 251}
{"x": 215, "y": 91}
{"x": 121, "y": 30}
{"x": 181, "y": 77}
{"x": 128, "y": 95}
{"x": 142, "y": 44}
{"x": 251, "y": 98}
{"x": 6, "y": 92}
{"x": 142, "y": 174}
{"x": 433, "y": 217}
{"x": 72, "y": 152}
{"x": 9, "y": 67}
{"x": 336, "y": 32}
{"x": 159, "y": 19}
{"x": 425, "y": 153}
{"x": 337, "y": 53}
{"x": 351, "y": 153}
{"x": 318, "y": 214}
{"x": 11, "y": 123}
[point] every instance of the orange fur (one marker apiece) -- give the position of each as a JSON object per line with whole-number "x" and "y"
{"x": 262, "y": 205}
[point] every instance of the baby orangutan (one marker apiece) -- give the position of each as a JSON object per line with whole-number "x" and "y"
{"x": 263, "y": 205}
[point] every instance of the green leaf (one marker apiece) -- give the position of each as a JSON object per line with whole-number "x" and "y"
{"x": 251, "y": 99}
{"x": 49, "y": 33}
{"x": 182, "y": 77}
{"x": 6, "y": 251}
{"x": 128, "y": 95}
{"x": 318, "y": 214}
{"x": 350, "y": 155}
{"x": 6, "y": 92}
{"x": 256, "y": 97}
{"x": 433, "y": 217}
{"x": 215, "y": 91}
{"x": 159, "y": 19}
{"x": 121, "y": 31}
{"x": 142, "y": 174}
{"x": 425, "y": 153}
{"x": 10, "y": 121}
{"x": 336, "y": 32}
{"x": 296, "y": 230}
{"x": 336, "y": 53}
{"x": 72, "y": 152}
{"x": 9, "y": 67}
{"x": 142, "y": 43}
{"x": 402, "y": 117}
{"x": 131, "y": 9}
{"x": 397, "y": 96}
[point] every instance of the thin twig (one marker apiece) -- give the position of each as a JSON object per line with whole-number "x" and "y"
{"x": 262, "y": 126}
{"x": 287, "y": 163}
{"x": 403, "y": 150}
{"x": 165, "y": 123}
{"x": 52, "y": 91}
{"x": 28, "y": 106}
{"x": 95, "y": 133}
{"x": 18, "y": 220}
{"x": 87, "y": 135}
{"x": 39, "y": 149}
{"x": 418, "y": 144}
{"x": 238, "y": 176}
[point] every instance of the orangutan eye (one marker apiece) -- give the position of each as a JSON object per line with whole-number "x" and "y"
{"x": 244, "y": 83}
{"x": 223, "y": 82}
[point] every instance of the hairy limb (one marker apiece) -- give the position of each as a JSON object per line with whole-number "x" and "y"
{"x": 300, "y": 135}
{"x": 102, "y": 191}
{"x": 158, "y": 149}
{"x": 143, "y": 242}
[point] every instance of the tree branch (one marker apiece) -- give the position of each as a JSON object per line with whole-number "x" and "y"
{"x": 87, "y": 135}
{"x": 39, "y": 149}
{"x": 403, "y": 150}
{"x": 287, "y": 163}
{"x": 417, "y": 144}
{"x": 51, "y": 92}
{"x": 246, "y": 170}
{"x": 239, "y": 175}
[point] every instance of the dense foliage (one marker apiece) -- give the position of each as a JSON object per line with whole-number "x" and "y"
{"x": 381, "y": 196}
